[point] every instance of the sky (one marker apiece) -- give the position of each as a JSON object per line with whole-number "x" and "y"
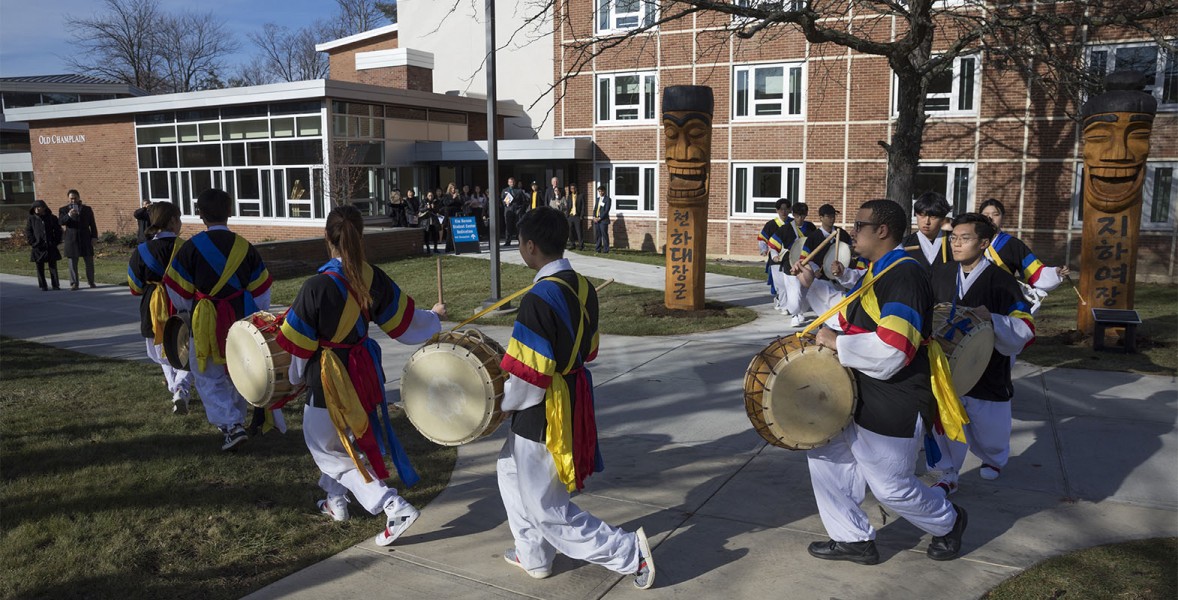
{"x": 35, "y": 41}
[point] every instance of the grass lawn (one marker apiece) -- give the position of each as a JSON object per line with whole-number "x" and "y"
{"x": 1059, "y": 345}
{"x": 1137, "y": 570}
{"x": 623, "y": 309}
{"x": 107, "y": 495}
{"x": 718, "y": 266}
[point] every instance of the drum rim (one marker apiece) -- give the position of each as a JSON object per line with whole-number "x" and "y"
{"x": 267, "y": 358}
{"x": 448, "y": 342}
{"x": 832, "y": 252}
{"x": 172, "y": 329}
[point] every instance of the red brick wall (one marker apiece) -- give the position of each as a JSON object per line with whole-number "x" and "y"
{"x": 342, "y": 60}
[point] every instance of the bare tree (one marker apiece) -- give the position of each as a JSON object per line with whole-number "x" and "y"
{"x": 119, "y": 43}
{"x": 389, "y": 9}
{"x": 191, "y": 48}
{"x": 289, "y": 54}
{"x": 1042, "y": 41}
{"x": 356, "y": 16}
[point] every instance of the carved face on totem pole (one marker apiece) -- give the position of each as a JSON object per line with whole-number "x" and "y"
{"x": 687, "y": 139}
{"x": 1117, "y": 128}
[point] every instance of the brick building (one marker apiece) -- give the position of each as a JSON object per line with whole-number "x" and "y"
{"x": 802, "y": 121}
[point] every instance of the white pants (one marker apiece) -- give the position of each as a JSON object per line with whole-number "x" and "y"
{"x": 856, "y": 458}
{"x": 339, "y": 473}
{"x": 544, "y": 521}
{"x": 822, "y": 296}
{"x": 987, "y": 435}
{"x": 179, "y": 382}
{"x": 224, "y": 407}
{"x": 794, "y": 296}
{"x": 778, "y": 282}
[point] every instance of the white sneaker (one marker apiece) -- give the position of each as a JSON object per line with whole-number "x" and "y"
{"x": 179, "y": 404}
{"x": 797, "y": 321}
{"x": 335, "y": 507}
{"x": 989, "y": 473}
{"x": 644, "y": 577}
{"x": 512, "y": 558}
{"x": 398, "y": 522}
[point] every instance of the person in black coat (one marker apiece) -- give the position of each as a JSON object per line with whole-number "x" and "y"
{"x": 43, "y": 232}
{"x": 144, "y": 221}
{"x": 80, "y": 233}
{"x": 601, "y": 208}
{"x": 515, "y": 204}
{"x": 397, "y": 208}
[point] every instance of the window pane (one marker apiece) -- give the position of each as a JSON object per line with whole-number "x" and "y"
{"x": 147, "y": 158}
{"x": 767, "y": 182}
{"x": 1143, "y": 59}
{"x": 931, "y": 179}
{"x": 770, "y": 83}
{"x": 1098, "y": 64}
{"x": 282, "y": 127}
{"x": 648, "y": 189}
{"x": 960, "y": 190}
{"x": 201, "y": 180}
{"x": 302, "y": 152}
{"x": 246, "y": 130}
{"x": 937, "y": 103}
{"x": 603, "y": 14}
{"x": 309, "y": 125}
{"x": 648, "y": 96}
{"x": 742, "y": 93}
{"x": 259, "y": 153}
{"x": 626, "y": 181}
{"x": 965, "y": 90}
{"x": 234, "y": 155}
{"x": 210, "y": 132}
{"x": 742, "y": 190}
{"x": 1170, "y": 79}
{"x": 941, "y": 83}
{"x": 187, "y": 133}
{"x": 795, "y": 91}
{"x": 793, "y": 187}
{"x": 626, "y": 95}
{"x": 167, "y": 156}
{"x": 200, "y": 155}
{"x": 603, "y": 111}
{"x": 159, "y": 185}
{"x": 1163, "y": 182}
{"x": 156, "y": 135}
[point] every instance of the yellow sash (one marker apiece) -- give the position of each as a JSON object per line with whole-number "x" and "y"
{"x": 558, "y": 436}
{"x": 158, "y": 304}
{"x": 204, "y": 314}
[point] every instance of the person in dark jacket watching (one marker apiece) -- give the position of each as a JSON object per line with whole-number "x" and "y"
{"x": 43, "y": 233}
{"x": 80, "y": 233}
{"x": 144, "y": 221}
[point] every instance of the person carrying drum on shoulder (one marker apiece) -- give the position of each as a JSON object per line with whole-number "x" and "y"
{"x": 772, "y": 268}
{"x": 342, "y": 369}
{"x": 821, "y": 289}
{"x": 549, "y": 390}
{"x": 883, "y": 329}
{"x": 932, "y": 214}
{"x": 145, "y": 275}
{"x": 791, "y": 297}
{"x": 994, "y": 295}
{"x": 220, "y": 278}
{"x": 1014, "y": 257}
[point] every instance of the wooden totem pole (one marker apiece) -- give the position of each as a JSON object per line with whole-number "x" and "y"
{"x": 687, "y": 137}
{"x": 1117, "y": 127}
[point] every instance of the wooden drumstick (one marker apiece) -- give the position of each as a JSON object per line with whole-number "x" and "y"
{"x": 805, "y": 261}
{"x": 1074, "y": 289}
{"x": 604, "y": 284}
{"x": 440, "y": 301}
{"x": 912, "y": 248}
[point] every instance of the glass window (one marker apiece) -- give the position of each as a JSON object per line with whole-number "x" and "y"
{"x": 241, "y": 112}
{"x": 768, "y": 91}
{"x": 1159, "y": 66}
{"x": 167, "y": 157}
{"x": 632, "y": 187}
{"x": 758, "y": 187}
{"x": 613, "y": 15}
{"x": 310, "y": 125}
{"x": 258, "y": 153}
{"x": 21, "y": 99}
{"x": 292, "y": 108}
{"x": 281, "y": 128}
{"x": 301, "y": 152}
{"x": 210, "y": 132}
{"x": 187, "y": 133}
{"x": 147, "y": 158}
{"x": 240, "y": 130}
{"x": 626, "y": 97}
{"x": 155, "y": 118}
{"x": 159, "y": 185}
{"x": 156, "y": 135}
{"x": 203, "y": 114}
{"x": 953, "y": 91}
{"x": 953, "y": 180}
{"x": 234, "y": 154}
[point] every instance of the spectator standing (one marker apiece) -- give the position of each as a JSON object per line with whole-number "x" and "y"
{"x": 601, "y": 208}
{"x": 80, "y": 233}
{"x": 43, "y": 233}
{"x": 478, "y": 204}
{"x": 554, "y": 196}
{"x": 412, "y": 207}
{"x": 144, "y": 220}
{"x": 428, "y": 220}
{"x": 397, "y": 208}
{"x": 515, "y": 203}
{"x": 575, "y": 212}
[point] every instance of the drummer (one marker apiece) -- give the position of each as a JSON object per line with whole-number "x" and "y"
{"x": 1013, "y": 256}
{"x": 823, "y": 292}
{"x": 342, "y": 369}
{"x": 548, "y": 390}
{"x": 994, "y": 296}
{"x": 145, "y": 273}
{"x": 220, "y": 278}
{"x": 791, "y": 299}
{"x": 932, "y": 214}
{"x": 881, "y": 342}
{"x": 772, "y": 268}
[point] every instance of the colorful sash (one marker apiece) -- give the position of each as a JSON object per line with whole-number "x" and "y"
{"x": 159, "y": 306}
{"x": 212, "y": 316}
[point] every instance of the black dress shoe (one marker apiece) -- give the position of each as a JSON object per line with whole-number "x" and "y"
{"x": 948, "y": 546}
{"x": 863, "y": 553}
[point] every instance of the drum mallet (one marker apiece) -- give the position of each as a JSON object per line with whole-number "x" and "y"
{"x": 440, "y": 301}
{"x": 805, "y": 261}
{"x": 1082, "y": 300}
{"x": 604, "y": 284}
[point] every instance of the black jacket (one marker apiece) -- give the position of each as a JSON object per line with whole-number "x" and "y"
{"x": 43, "y": 232}
{"x": 601, "y": 209}
{"x": 519, "y": 200}
{"x": 80, "y": 231}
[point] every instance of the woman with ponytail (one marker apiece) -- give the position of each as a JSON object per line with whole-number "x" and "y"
{"x": 346, "y": 422}
{"x": 145, "y": 272}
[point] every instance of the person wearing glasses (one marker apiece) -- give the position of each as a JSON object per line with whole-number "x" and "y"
{"x": 994, "y": 296}
{"x": 882, "y": 341}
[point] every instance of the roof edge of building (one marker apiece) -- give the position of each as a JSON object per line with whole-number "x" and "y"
{"x": 359, "y": 37}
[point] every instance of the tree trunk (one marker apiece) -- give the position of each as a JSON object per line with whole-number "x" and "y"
{"x": 904, "y": 149}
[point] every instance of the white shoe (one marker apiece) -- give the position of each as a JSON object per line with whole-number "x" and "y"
{"x": 989, "y": 473}
{"x": 512, "y": 558}
{"x": 179, "y": 405}
{"x": 797, "y": 321}
{"x": 398, "y": 521}
{"x": 644, "y": 577}
{"x": 335, "y": 507}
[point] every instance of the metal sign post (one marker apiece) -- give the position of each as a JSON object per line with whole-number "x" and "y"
{"x": 493, "y": 203}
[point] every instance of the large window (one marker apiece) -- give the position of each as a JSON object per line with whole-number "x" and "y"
{"x": 623, "y": 15}
{"x": 632, "y": 187}
{"x": 1159, "y": 196}
{"x": 768, "y": 91}
{"x": 756, "y": 188}
{"x": 269, "y": 158}
{"x": 626, "y": 97}
{"x": 956, "y": 91}
{"x": 953, "y": 180}
{"x": 1159, "y": 66}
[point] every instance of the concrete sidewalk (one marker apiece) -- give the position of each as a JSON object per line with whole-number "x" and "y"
{"x": 1093, "y": 462}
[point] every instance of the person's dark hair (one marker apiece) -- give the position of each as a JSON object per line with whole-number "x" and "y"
{"x": 160, "y": 215}
{"x": 67, "y": 194}
{"x": 547, "y": 228}
{"x": 996, "y": 203}
{"x": 781, "y": 202}
{"x": 601, "y": 188}
{"x": 800, "y": 209}
{"x": 982, "y": 225}
{"x": 890, "y": 213}
{"x": 931, "y": 204}
{"x": 214, "y": 205}
{"x": 345, "y": 233}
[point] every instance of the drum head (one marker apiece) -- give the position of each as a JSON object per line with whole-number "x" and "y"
{"x": 836, "y": 251}
{"x": 795, "y": 251}
{"x": 251, "y": 367}
{"x": 176, "y": 337}
{"x": 969, "y": 360}
{"x": 811, "y": 398}
{"x": 448, "y": 393}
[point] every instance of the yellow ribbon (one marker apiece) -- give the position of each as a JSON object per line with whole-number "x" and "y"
{"x": 158, "y": 304}
{"x": 558, "y": 409}
{"x": 204, "y": 314}
{"x": 868, "y": 281}
{"x": 952, "y": 413}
